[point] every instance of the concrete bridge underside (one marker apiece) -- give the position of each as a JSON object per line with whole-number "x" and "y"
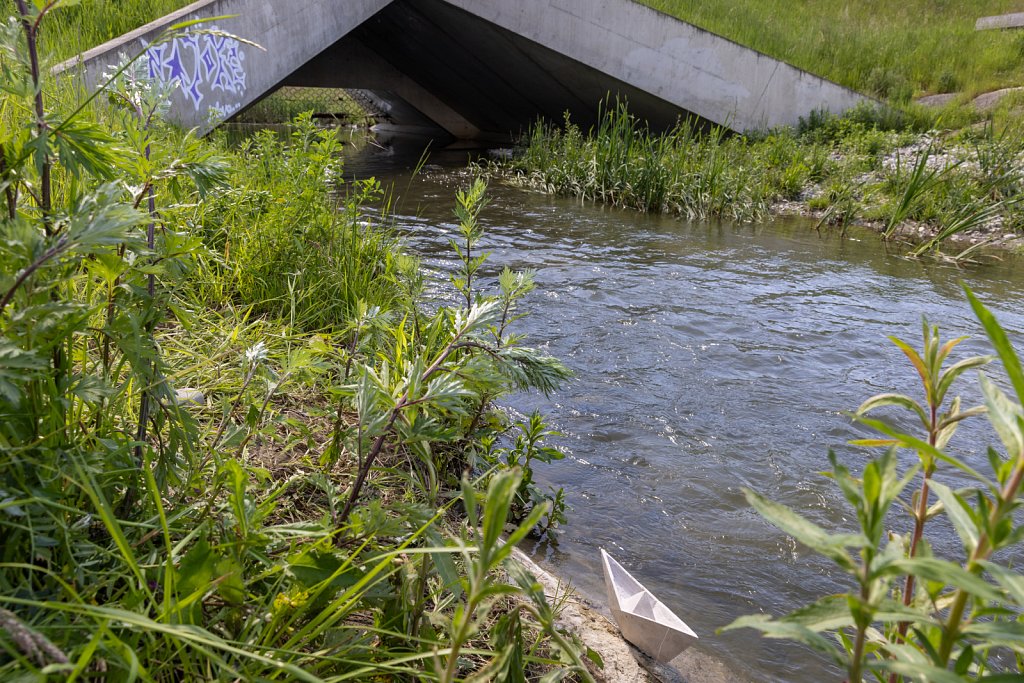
{"x": 467, "y": 75}
{"x": 471, "y": 68}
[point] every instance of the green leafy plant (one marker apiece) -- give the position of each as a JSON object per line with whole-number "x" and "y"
{"x": 170, "y": 505}
{"x": 915, "y": 615}
{"x": 527, "y": 448}
{"x": 461, "y": 359}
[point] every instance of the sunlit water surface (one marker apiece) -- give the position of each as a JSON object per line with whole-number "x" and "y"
{"x": 708, "y": 357}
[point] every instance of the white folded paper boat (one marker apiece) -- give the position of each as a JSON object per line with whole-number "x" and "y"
{"x": 643, "y": 619}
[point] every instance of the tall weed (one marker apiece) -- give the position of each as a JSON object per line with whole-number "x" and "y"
{"x": 840, "y": 166}
{"x": 315, "y": 255}
{"x": 916, "y": 615}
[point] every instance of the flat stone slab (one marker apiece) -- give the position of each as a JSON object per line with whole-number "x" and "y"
{"x": 1015, "y": 20}
{"x": 937, "y": 101}
{"x": 990, "y": 100}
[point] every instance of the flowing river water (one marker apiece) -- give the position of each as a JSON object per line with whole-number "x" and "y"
{"x": 709, "y": 356}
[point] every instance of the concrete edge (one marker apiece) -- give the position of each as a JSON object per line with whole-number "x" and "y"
{"x": 784, "y": 62}
{"x": 1014, "y": 20}
{"x": 125, "y": 38}
{"x": 592, "y": 628}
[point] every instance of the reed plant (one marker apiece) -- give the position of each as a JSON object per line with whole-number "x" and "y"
{"x": 868, "y": 166}
{"x": 622, "y": 162}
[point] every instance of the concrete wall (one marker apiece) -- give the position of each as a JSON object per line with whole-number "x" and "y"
{"x": 696, "y": 70}
{"x": 218, "y": 75}
{"x": 1015, "y": 20}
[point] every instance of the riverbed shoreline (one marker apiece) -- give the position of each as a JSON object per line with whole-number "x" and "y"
{"x": 621, "y": 661}
{"x": 945, "y": 192}
{"x": 908, "y": 233}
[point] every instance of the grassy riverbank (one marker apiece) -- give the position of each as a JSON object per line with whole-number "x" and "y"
{"x": 868, "y": 167}
{"x": 893, "y": 50}
{"x": 234, "y": 444}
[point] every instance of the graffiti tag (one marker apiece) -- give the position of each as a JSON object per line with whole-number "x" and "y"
{"x": 201, "y": 64}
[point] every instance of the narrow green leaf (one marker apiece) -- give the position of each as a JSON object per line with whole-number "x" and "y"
{"x": 907, "y": 441}
{"x": 789, "y": 631}
{"x": 181, "y": 25}
{"x": 804, "y": 531}
{"x": 499, "y": 498}
{"x": 826, "y": 614}
{"x": 1005, "y": 416}
{"x": 943, "y": 571}
{"x": 913, "y": 356}
{"x": 1012, "y": 582}
{"x": 1006, "y": 633}
{"x": 957, "y": 369}
{"x": 1000, "y": 342}
{"x": 445, "y": 564}
{"x": 900, "y": 400}
{"x": 959, "y": 514}
{"x": 922, "y": 672}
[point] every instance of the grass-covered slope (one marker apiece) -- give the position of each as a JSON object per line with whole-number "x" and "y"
{"x": 78, "y": 27}
{"x": 889, "y": 48}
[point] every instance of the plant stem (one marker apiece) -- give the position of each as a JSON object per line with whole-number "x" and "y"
{"x": 50, "y": 253}
{"x": 920, "y": 518}
{"x": 856, "y": 661}
{"x": 473, "y": 598}
{"x": 144, "y": 400}
{"x": 12, "y": 200}
{"x": 367, "y": 465}
{"x": 983, "y": 550}
{"x": 378, "y": 443}
{"x": 31, "y": 28}
{"x": 469, "y": 272}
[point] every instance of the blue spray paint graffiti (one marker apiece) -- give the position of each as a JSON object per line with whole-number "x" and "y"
{"x": 202, "y": 64}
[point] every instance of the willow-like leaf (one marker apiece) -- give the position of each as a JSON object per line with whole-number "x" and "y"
{"x": 945, "y": 572}
{"x": 806, "y": 532}
{"x": 911, "y": 663}
{"x": 1000, "y": 342}
{"x": 790, "y": 631}
{"x": 998, "y": 632}
{"x": 907, "y": 441}
{"x": 1005, "y": 416}
{"x": 957, "y": 369}
{"x": 901, "y": 400}
{"x": 960, "y": 514}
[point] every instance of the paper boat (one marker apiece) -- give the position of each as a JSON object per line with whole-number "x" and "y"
{"x": 642, "y": 618}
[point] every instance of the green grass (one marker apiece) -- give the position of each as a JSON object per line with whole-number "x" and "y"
{"x": 882, "y": 47}
{"x": 77, "y": 28}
